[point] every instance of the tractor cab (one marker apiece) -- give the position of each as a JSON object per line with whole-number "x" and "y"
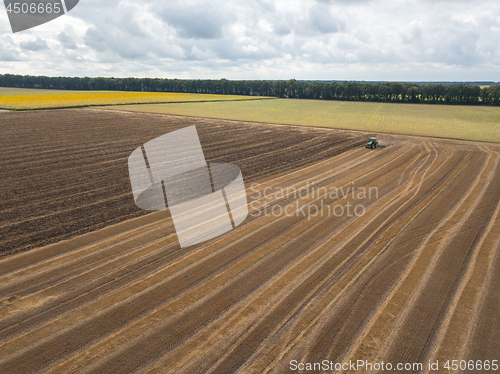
{"x": 373, "y": 143}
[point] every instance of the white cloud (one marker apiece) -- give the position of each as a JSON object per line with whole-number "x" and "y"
{"x": 35, "y": 45}
{"x": 264, "y": 39}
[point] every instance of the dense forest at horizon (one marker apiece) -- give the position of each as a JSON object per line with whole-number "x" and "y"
{"x": 390, "y": 92}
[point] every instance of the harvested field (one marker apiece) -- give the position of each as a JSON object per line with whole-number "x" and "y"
{"x": 65, "y": 172}
{"x": 415, "y": 278}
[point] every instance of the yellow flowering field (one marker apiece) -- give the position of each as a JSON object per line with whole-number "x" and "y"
{"x": 12, "y": 99}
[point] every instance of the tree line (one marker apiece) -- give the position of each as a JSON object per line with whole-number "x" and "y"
{"x": 389, "y": 92}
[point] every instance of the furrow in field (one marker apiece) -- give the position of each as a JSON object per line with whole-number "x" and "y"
{"x": 454, "y": 339}
{"x": 335, "y": 336}
{"x": 305, "y": 323}
{"x": 443, "y": 277}
{"x": 265, "y": 363}
{"x": 379, "y": 327}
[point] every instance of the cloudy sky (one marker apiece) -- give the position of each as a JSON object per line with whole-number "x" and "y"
{"x": 405, "y": 40}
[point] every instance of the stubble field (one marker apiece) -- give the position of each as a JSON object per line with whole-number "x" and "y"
{"x": 415, "y": 278}
{"x": 477, "y": 123}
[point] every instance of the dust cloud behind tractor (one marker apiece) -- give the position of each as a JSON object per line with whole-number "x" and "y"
{"x": 26, "y": 14}
{"x": 171, "y": 171}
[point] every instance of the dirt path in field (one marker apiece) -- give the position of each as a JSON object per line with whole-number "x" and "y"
{"x": 414, "y": 278}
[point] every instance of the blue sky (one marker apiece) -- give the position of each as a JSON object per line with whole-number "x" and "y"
{"x": 417, "y": 40}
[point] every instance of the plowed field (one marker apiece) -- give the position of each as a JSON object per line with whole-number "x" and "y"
{"x": 65, "y": 172}
{"x": 414, "y": 278}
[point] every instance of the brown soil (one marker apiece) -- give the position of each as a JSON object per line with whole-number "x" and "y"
{"x": 64, "y": 172}
{"x": 415, "y": 278}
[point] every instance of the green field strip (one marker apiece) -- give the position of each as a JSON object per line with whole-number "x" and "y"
{"x": 477, "y": 123}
